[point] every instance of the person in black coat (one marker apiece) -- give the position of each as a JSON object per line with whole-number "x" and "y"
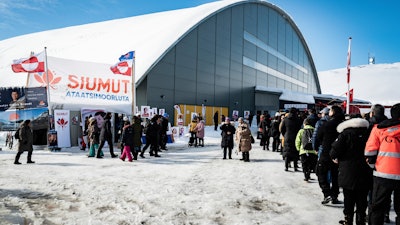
{"x": 25, "y": 142}
{"x": 289, "y": 128}
{"x": 326, "y": 168}
{"x": 153, "y": 136}
{"x": 227, "y": 132}
{"x": 106, "y": 135}
{"x": 274, "y": 132}
{"x": 216, "y": 118}
{"x": 355, "y": 176}
{"x": 265, "y": 125}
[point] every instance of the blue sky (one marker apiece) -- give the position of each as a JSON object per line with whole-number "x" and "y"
{"x": 325, "y": 25}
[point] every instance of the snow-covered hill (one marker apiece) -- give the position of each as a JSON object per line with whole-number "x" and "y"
{"x": 377, "y": 83}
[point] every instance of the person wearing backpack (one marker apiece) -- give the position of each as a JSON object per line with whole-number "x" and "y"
{"x": 25, "y": 143}
{"x": 308, "y": 155}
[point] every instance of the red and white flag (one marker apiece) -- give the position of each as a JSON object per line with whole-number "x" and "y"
{"x": 348, "y": 61}
{"x": 350, "y": 95}
{"x": 32, "y": 64}
{"x": 123, "y": 67}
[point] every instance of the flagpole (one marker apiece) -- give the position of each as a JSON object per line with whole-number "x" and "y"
{"x": 47, "y": 81}
{"x": 348, "y": 77}
{"x": 29, "y": 74}
{"x": 133, "y": 85}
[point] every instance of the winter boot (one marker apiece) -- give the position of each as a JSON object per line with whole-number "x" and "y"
{"x": 30, "y": 157}
{"x": 360, "y": 218}
{"x": 247, "y": 157}
{"x": 242, "y": 156}
{"x": 16, "y": 161}
{"x": 348, "y": 220}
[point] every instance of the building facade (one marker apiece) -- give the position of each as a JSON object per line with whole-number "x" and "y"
{"x": 243, "y": 56}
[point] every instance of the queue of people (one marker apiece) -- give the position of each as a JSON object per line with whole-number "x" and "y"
{"x": 359, "y": 155}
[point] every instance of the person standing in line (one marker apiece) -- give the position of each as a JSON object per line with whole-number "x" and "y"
{"x": 264, "y": 126}
{"x": 308, "y": 155}
{"x": 251, "y": 116}
{"x": 155, "y": 148}
{"x": 327, "y": 170}
{"x": 163, "y": 132}
{"x": 312, "y": 116}
{"x": 243, "y": 138}
{"x": 383, "y": 153}
{"x": 106, "y": 135}
{"x": 193, "y": 132}
{"x": 289, "y": 128}
{"x": 355, "y": 176}
{"x": 200, "y": 131}
{"x": 216, "y": 123}
{"x": 137, "y": 137}
{"x": 127, "y": 141}
{"x": 25, "y": 142}
{"x": 227, "y": 132}
{"x": 376, "y": 116}
{"x": 274, "y": 132}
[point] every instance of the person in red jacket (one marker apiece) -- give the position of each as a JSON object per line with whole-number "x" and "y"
{"x": 383, "y": 153}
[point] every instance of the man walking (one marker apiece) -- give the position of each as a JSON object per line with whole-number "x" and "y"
{"x": 106, "y": 135}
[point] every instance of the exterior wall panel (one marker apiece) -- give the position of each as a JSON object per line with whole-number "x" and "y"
{"x": 223, "y": 58}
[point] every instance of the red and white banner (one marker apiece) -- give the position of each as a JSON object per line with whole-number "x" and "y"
{"x": 32, "y": 64}
{"x": 75, "y": 85}
{"x": 62, "y": 125}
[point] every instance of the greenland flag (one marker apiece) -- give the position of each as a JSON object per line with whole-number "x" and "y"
{"x": 123, "y": 67}
{"x": 29, "y": 65}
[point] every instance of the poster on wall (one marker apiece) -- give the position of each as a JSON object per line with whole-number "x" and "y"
{"x": 246, "y": 114}
{"x": 235, "y": 115}
{"x": 52, "y": 139}
{"x": 22, "y": 98}
{"x": 145, "y": 111}
{"x": 62, "y": 125}
{"x": 97, "y": 113}
{"x": 161, "y": 112}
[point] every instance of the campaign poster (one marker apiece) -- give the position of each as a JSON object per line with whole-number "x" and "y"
{"x": 23, "y": 98}
{"x": 145, "y": 111}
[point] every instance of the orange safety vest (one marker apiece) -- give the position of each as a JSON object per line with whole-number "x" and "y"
{"x": 385, "y": 144}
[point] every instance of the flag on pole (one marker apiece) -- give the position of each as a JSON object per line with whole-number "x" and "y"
{"x": 127, "y": 56}
{"x": 123, "y": 67}
{"x": 350, "y": 95}
{"x": 35, "y": 63}
{"x": 125, "y": 64}
{"x": 348, "y": 61}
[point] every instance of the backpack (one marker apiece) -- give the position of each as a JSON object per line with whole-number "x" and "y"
{"x": 306, "y": 139}
{"x": 16, "y": 135}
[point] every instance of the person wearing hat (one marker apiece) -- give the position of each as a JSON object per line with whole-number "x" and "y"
{"x": 243, "y": 139}
{"x": 326, "y": 135}
{"x": 227, "y": 132}
{"x": 25, "y": 142}
{"x": 324, "y": 117}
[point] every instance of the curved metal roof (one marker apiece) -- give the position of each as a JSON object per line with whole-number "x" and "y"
{"x": 150, "y": 36}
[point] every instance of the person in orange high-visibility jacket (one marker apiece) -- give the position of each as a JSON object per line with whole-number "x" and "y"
{"x": 382, "y": 151}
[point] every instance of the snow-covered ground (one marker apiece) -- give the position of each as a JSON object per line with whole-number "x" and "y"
{"x": 184, "y": 186}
